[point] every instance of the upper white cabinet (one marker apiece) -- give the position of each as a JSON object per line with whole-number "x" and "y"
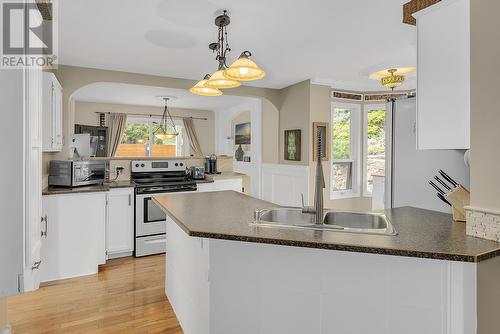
{"x": 120, "y": 222}
{"x": 52, "y": 113}
{"x": 443, "y": 67}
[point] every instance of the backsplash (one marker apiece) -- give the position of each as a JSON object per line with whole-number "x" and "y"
{"x": 483, "y": 223}
{"x": 225, "y": 164}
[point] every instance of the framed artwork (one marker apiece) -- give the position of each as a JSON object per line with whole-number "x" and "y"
{"x": 325, "y": 133}
{"x": 242, "y": 134}
{"x": 292, "y": 145}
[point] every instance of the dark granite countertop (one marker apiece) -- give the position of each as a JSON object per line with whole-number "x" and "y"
{"x": 54, "y": 190}
{"x": 422, "y": 233}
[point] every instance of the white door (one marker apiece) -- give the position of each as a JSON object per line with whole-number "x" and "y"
{"x": 120, "y": 221}
{"x": 33, "y": 185}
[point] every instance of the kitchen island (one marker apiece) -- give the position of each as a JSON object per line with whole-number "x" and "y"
{"x": 227, "y": 275}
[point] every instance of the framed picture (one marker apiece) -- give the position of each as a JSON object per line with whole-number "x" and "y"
{"x": 242, "y": 134}
{"x": 325, "y": 133}
{"x": 292, "y": 145}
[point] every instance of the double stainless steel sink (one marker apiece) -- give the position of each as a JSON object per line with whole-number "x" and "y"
{"x": 336, "y": 221}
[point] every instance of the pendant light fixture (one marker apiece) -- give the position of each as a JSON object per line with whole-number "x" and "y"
{"x": 201, "y": 89}
{"x": 393, "y": 80}
{"x": 392, "y": 77}
{"x": 243, "y": 69}
{"x": 162, "y": 132}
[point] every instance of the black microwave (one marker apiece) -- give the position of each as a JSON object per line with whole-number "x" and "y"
{"x": 74, "y": 173}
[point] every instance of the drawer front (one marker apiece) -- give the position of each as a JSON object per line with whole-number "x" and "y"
{"x": 155, "y": 244}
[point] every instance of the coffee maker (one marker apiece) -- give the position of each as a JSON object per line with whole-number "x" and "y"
{"x": 211, "y": 164}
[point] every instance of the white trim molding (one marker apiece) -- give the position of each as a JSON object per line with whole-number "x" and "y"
{"x": 284, "y": 184}
{"x": 483, "y": 223}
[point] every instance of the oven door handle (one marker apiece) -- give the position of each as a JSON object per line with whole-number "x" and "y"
{"x": 155, "y": 241}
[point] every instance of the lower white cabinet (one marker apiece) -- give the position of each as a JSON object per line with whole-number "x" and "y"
{"x": 219, "y": 185}
{"x": 75, "y": 243}
{"x": 120, "y": 222}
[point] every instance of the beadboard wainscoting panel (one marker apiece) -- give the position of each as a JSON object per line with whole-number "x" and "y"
{"x": 284, "y": 184}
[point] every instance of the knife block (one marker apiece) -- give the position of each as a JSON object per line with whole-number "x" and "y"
{"x": 458, "y": 198}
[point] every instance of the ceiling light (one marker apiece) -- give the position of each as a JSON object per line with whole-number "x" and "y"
{"x": 219, "y": 80}
{"x": 244, "y": 69}
{"x": 201, "y": 89}
{"x": 164, "y": 130}
{"x": 393, "y": 77}
{"x": 393, "y": 80}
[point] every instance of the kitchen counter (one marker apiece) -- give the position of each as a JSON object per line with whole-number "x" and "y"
{"x": 209, "y": 178}
{"x": 55, "y": 190}
{"x": 421, "y": 233}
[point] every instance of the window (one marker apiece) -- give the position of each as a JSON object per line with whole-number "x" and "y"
{"x": 345, "y": 123}
{"x": 139, "y": 141}
{"x": 374, "y": 145}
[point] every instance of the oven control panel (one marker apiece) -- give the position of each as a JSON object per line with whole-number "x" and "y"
{"x": 141, "y": 166}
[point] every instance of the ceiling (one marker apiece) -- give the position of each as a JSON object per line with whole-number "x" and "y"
{"x": 151, "y": 96}
{"x": 335, "y": 42}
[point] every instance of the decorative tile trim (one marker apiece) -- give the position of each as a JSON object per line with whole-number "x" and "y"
{"x": 384, "y": 97}
{"x": 347, "y": 96}
{"x": 45, "y": 8}
{"x": 483, "y": 223}
{"x": 414, "y": 6}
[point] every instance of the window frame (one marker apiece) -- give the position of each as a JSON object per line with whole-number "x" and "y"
{"x": 355, "y": 128}
{"x": 366, "y": 108}
{"x": 151, "y": 120}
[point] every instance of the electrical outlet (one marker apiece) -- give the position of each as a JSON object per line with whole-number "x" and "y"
{"x": 119, "y": 170}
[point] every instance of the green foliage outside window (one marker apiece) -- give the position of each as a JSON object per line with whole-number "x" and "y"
{"x": 376, "y": 133}
{"x": 341, "y": 130}
{"x": 136, "y": 133}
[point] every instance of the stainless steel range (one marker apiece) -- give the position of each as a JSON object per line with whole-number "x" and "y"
{"x": 154, "y": 177}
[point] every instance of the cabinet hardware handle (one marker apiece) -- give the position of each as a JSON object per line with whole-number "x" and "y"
{"x": 36, "y": 265}
{"x": 45, "y": 221}
{"x": 129, "y": 200}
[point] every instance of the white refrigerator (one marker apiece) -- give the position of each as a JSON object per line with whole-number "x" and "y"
{"x": 408, "y": 170}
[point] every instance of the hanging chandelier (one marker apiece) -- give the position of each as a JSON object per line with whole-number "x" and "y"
{"x": 162, "y": 132}
{"x": 243, "y": 69}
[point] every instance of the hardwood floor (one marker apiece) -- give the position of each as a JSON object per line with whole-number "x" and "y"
{"x": 126, "y": 296}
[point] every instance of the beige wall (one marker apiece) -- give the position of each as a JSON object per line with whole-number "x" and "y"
{"x": 320, "y": 107}
{"x": 294, "y": 114}
{"x": 85, "y": 113}
{"x": 73, "y": 78}
{"x": 270, "y": 133}
{"x": 485, "y": 110}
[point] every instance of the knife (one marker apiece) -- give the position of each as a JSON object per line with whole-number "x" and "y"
{"x": 439, "y": 190}
{"x": 448, "y": 178}
{"x": 441, "y": 197}
{"x": 442, "y": 183}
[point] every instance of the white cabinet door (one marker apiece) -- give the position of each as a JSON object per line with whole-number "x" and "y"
{"x": 219, "y": 185}
{"x": 75, "y": 243}
{"x": 52, "y": 113}
{"x": 443, "y": 86}
{"x": 120, "y": 222}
